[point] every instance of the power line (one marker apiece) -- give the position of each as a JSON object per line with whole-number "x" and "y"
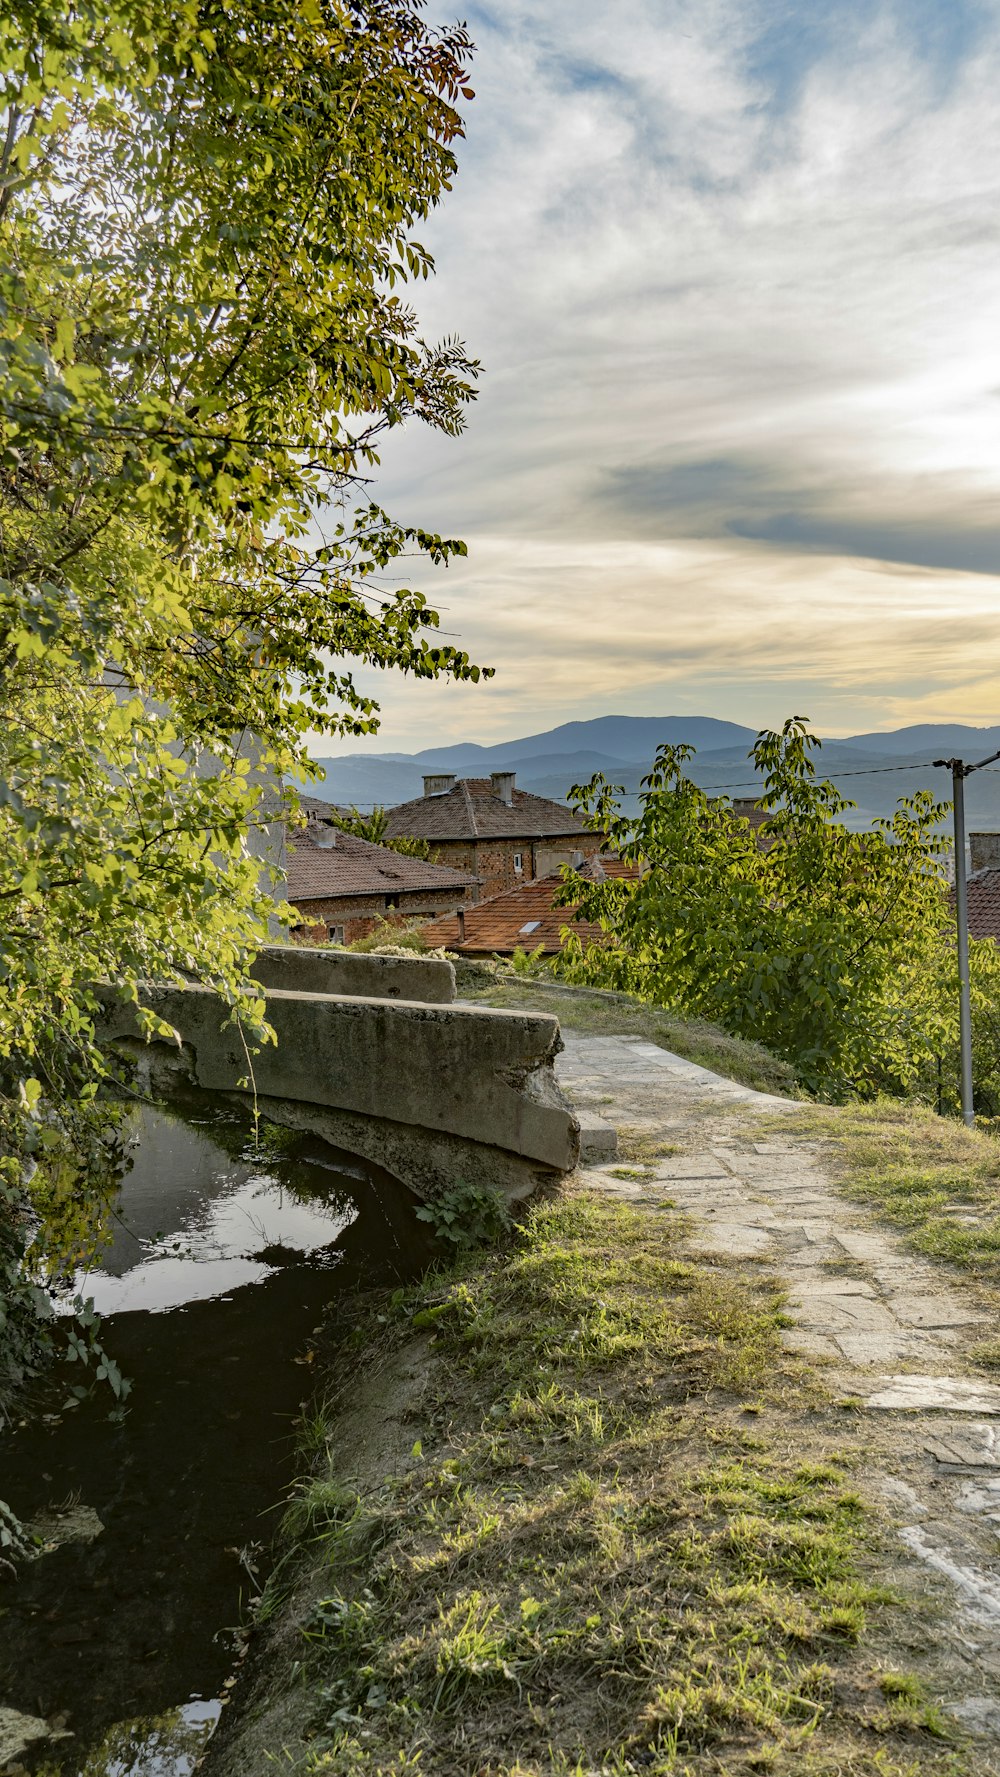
{"x": 755, "y": 783}
{"x": 866, "y": 771}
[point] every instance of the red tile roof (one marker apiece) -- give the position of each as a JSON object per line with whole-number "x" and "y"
{"x": 356, "y": 867}
{"x": 472, "y": 810}
{"x": 501, "y": 925}
{"x": 984, "y": 904}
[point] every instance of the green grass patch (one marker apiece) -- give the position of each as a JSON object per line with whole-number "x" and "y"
{"x": 598, "y": 1561}
{"x": 930, "y": 1175}
{"x": 606, "y": 1014}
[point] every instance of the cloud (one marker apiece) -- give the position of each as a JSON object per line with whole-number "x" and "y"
{"x": 732, "y": 268}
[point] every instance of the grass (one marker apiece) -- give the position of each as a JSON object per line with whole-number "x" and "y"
{"x": 600, "y": 1559}
{"x": 617, "y": 1015}
{"x": 929, "y": 1175}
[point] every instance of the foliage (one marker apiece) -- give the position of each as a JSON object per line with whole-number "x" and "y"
{"x": 527, "y": 962}
{"x": 833, "y": 948}
{"x": 394, "y": 937}
{"x": 467, "y": 1216}
{"x": 206, "y": 224}
{"x": 373, "y": 827}
{"x": 55, "y": 1206}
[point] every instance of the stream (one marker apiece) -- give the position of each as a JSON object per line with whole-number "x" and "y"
{"x": 118, "y": 1640}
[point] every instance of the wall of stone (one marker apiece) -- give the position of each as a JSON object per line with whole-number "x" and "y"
{"x": 357, "y": 916}
{"x": 492, "y": 860}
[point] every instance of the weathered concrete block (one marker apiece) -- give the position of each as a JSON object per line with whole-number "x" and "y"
{"x": 298, "y": 968}
{"x": 433, "y": 1093}
{"x": 598, "y": 1139}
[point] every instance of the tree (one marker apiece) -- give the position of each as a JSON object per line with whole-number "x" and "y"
{"x": 833, "y": 948}
{"x": 372, "y": 826}
{"x": 207, "y": 214}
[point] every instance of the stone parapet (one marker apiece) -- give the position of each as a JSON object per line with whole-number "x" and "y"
{"x": 297, "y": 968}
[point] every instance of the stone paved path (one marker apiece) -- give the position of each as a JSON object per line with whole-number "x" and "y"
{"x": 890, "y": 1329}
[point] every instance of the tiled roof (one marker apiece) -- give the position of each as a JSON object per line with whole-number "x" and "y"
{"x": 498, "y": 926}
{"x": 984, "y": 904}
{"x": 321, "y": 811}
{"x": 472, "y": 810}
{"x": 356, "y": 867}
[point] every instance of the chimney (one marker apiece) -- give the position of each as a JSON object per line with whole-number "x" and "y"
{"x": 323, "y": 834}
{"x": 438, "y": 783}
{"x": 984, "y": 851}
{"x": 461, "y": 925}
{"x": 503, "y": 785}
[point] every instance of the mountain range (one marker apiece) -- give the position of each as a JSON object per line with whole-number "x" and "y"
{"x": 873, "y": 770}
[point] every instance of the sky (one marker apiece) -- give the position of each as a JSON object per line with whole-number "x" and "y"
{"x": 732, "y": 268}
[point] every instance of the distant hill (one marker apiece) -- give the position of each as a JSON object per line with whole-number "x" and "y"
{"x": 942, "y": 739}
{"x": 873, "y": 770}
{"x": 633, "y": 739}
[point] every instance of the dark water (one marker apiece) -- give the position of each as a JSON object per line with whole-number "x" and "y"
{"x": 219, "y": 1269}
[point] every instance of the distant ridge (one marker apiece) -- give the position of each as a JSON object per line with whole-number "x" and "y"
{"x": 873, "y": 770}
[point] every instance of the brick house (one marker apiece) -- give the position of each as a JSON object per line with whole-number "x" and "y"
{"x": 522, "y": 918}
{"x": 492, "y": 830}
{"x": 346, "y": 884}
{"x": 984, "y": 886}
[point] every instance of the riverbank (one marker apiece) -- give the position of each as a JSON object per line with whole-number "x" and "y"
{"x": 613, "y": 1525}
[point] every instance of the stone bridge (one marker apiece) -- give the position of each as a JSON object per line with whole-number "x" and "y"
{"x": 373, "y": 1055}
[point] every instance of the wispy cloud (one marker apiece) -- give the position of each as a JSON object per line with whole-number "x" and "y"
{"x": 732, "y": 268}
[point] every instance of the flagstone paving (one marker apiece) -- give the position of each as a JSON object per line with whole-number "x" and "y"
{"x": 891, "y": 1330}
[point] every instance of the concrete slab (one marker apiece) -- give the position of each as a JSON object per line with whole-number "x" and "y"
{"x": 934, "y": 1311}
{"x": 842, "y": 1313}
{"x": 867, "y": 1248}
{"x": 887, "y": 1348}
{"x": 732, "y": 1238}
{"x": 959, "y": 1448}
{"x": 598, "y": 1138}
{"x": 302, "y": 968}
{"x": 978, "y": 1715}
{"x": 693, "y": 1166}
{"x": 809, "y": 1344}
{"x": 822, "y": 1287}
{"x": 936, "y": 1394}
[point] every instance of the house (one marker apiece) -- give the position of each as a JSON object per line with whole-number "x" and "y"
{"x": 747, "y": 808}
{"x": 525, "y": 917}
{"x": 984, "y": 886}
{"x": 346, "y": 884}
{"x": 492, "y": 830}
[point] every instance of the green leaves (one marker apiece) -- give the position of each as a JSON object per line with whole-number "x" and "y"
{"x": 202, "y": 213}
{"x": 832, "y": 947}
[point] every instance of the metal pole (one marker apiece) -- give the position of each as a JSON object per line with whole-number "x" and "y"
{"x": 958, "y": 770}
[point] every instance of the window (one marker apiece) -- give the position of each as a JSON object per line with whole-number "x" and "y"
{"x": 518, "y": 862}
{"x": 391, "y": 901}
{"x": 335, "y": 935}
{"x": 532, "y": 926}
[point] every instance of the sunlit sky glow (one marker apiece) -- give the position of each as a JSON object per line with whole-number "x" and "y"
{"x": 732, "y": 268}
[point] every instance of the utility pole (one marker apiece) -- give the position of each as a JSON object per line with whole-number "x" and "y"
{"x": 959, "y": 772}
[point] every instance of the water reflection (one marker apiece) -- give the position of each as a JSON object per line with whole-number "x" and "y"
{"x": 192, "y": 1222}
{"x": 167, "y": 1745}
{"x": 122, "y": 1637}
